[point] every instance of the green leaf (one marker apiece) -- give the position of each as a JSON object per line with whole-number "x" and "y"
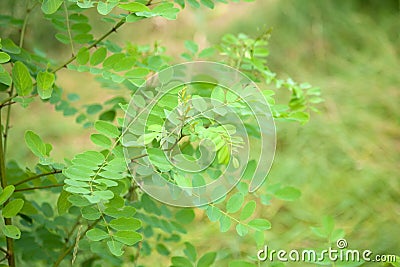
{"x": 93, "y": 109}
{"x": 185, "y": 215}
{"x": 5, "y": 77}
{"x": 107, "y": 128}
{"x": 98, "y": 56}
{"x": 224, "y": 223}
{"x": 190, "y": 251}
{"x": 179, "y": 261}
{"x": 10, "y": 47}
{"x": 218, "y": 94}
{"x": 115, "y": 248}
{"x": 101, "y": 140}
{"x": 21, "y": 78}
{"x": 207, "y": 259}
{"x": 96, "y": 234}
{"x": 260, "y": 224}
{"x": 106, "y": 7}
{"x": 207, "y": 52}
{"x": 90, "y": 213}
{"x": 135, "y": 7}
{"x": 288, "y": 193}
{"x": 125, "y": 224}
{"x": 248, "y": 210}
{"x": 241, "y": 229}
{"x": 240, "y": 263}
{"x": 235, "y": 203}
{"x": 6, "y": 193}
{"x": 129, "y": 238}
{"x": 162, "y": 249}
{"x": 83, "y": 56}
{"x": 62, "y": 202}
{"x": 35, "y": 144}
{"x": 12, "y": 208}
{"x": 199, "y": 103}
{"x": 208, "y": 3}
{"x": 51, "y": 6}
{"x": 11, "y": 231}
{"x": 213, "y": 213}
{"x": 127, "y": 211}
{"x": 158, "y": 158}
{"x": 191, "y": 46}
{"x": 45, "y": 81}
{"x": 194, "y": 3}
{"x": 4, "y": 57}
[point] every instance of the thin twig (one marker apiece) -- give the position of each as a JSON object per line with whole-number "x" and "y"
{"x": 37, "y": 177}
{"x": 38, "y": 187}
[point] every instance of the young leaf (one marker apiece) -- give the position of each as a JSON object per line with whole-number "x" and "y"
{"x": 22, "y": 79}
{"x": 51, "y": 6}
{"x": 106, "y": 7}
{"x": 90, "y": 213}
{"x": 107, "y": 129}
{"x": 185, "y": 215}
{"x": 35, "y": 144}
{"x": 6, "y": 193}
{"x": 208, "y": 3}
{"x": 225, "y": 223}
{"x": 4, "y": 57}
{"x": 11, "y": 231}
{"x": 235, "y": 203}
{"x": 260, "y": 224}
{"x": 45, "y": 81}
{"x": 207, "y": 259}
{"x": 288, "y": 193}
{"x": 83, "y": 56}
{"x": 191, "y": 46}
{"x": 115, "y": 248}
{"x": 125, "y": 224}
{"x": 135, "y": 7}
{"x": 190, "y": 251}
{"x": 248, "y": 210}
{"x": 241, "y": 229}
{"x": 101, "y": 140}
{"x": 98, "y": 56}
{"x": 12, "y": 208}
{"x": 62, "y": 202}
{"x": 129, "y": 238}
{"x": 179, "y": 261}
{"x": 96, "y": 234}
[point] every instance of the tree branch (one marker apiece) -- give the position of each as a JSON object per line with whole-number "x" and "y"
{"x": 38, "y": 187}
{"x": 37, "y": 177}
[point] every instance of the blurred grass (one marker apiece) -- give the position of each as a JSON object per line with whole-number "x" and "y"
{"x": 345, "y": 161}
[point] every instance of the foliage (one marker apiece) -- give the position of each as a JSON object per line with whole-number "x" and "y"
{"x": 92, "y": 210}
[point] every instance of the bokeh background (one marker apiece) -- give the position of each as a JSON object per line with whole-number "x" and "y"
{"x": 345, "y": 160}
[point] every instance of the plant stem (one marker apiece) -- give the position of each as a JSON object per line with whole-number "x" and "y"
{"x": 7, "y": 221}
{"x": 37, "y": 177}
{"x": 68, "y": 249}
{"x": 38, "y": 187}
{"x": 113, "y": 29}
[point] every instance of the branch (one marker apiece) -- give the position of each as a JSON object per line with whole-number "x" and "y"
{"x": 10, "y": 243}
{"x": 113, "y": 29}
{"x": 37, "y": 177}
{"x": 38, "y": 187}
{"x": 68, "y": 249}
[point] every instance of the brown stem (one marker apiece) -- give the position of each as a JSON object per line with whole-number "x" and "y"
{"x": 37, "y": 177}
{"x": 38, "y": 187}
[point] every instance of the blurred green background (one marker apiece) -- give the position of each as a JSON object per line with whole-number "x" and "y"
{"x": 345, "y": 161}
